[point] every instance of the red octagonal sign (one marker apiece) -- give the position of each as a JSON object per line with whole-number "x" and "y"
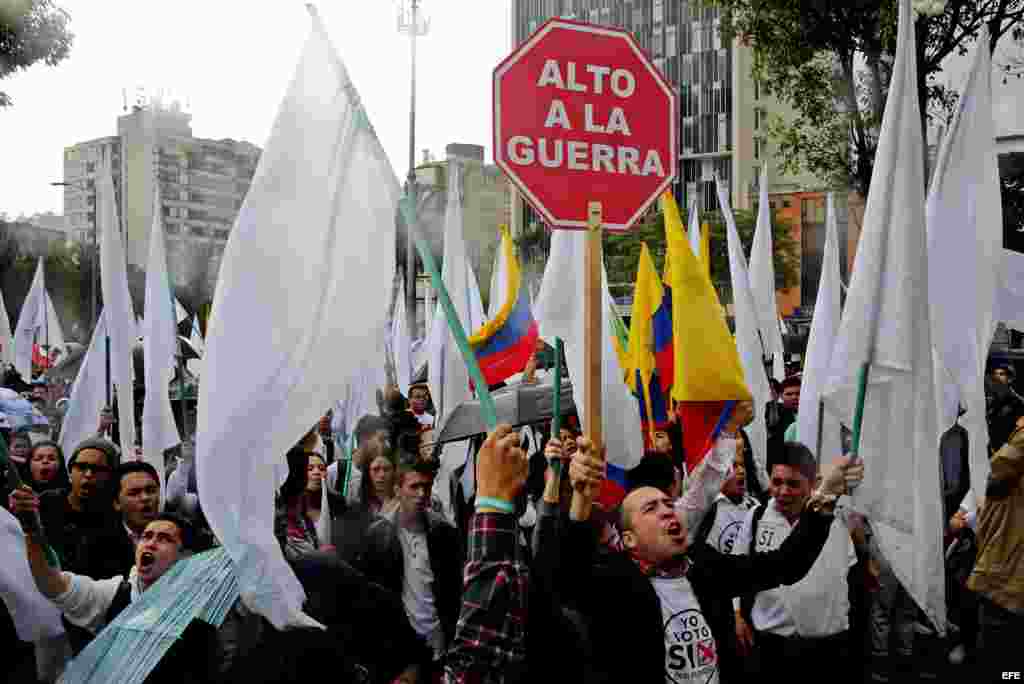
{"x": 581, "y": 115}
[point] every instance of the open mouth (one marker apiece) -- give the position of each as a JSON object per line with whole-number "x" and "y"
{"x": 146, "y": 561}
{"x": 673, "y": 528}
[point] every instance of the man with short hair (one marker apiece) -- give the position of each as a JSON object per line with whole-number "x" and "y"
{"x": 91, "y": 604}
{"x": 780, "y": 414}
{"x": 810, "y": 618}
{"x": 419, "y": 400}
{"x": 657, "y": 609}
{"x": 419, "y": 555}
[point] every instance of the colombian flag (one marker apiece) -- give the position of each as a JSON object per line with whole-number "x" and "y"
{"x": 708, "y": 378}
{"x": 504, "y": 345}
{"x": 643, "y": 375}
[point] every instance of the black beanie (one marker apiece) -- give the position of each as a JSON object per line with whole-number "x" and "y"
{"x": 99, "y": 444}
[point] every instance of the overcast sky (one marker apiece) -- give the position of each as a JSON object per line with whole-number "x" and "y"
{"x": 230, "y": 61}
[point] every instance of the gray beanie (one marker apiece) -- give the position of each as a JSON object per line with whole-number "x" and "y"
{"x": 99, "y": 444}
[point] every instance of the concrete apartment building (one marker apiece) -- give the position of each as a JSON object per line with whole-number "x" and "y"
{"x": 723, "y": 131}
{"x": 201, "y": 186}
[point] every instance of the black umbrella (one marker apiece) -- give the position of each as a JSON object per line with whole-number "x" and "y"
{"x": 516, "y": 405}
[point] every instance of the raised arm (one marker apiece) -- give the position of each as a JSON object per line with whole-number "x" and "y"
{"x": 51, "y": 582}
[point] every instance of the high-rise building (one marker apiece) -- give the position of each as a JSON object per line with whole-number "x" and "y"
{"x": 201, "y": 185}
{"x": 724, "y": 117}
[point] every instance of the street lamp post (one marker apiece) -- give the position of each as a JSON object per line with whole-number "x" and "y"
{"x": 414, "y": 25}
{"x": 92, "y": 258}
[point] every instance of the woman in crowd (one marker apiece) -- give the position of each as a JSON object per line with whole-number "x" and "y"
{"x": 316, "y": 471}
{"x": 294, "y": 528}
{"x": 378, "y": 484}
{"x": 46, "y": 468}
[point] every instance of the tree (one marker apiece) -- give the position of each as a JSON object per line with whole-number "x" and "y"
{"x": 808, "y": 54}
{"x": 31, "y": 31}
{"x": 622, "y": 251}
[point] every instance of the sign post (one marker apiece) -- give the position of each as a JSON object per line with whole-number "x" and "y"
{"x": 585, "y": 128}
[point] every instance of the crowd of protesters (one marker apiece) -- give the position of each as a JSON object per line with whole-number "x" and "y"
{"x": 726, "y": 573}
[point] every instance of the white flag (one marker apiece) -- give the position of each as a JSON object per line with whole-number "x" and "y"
{"x": 748, "y": 344}
{"x": 196, "y": 338}
{"x": 965, "y": 224}
{"x": 49, "y": 334}
{"x": 762, "y": 283}
{"x": 499, "y": 283}
{"x": 88, "y": 394}
{"x": 477, "y": 317}
{"x": 117, "y": 307}
{"x": 35, "y": 618}
{"x": 321, "y": 209}
{"x": 6, "y": 336}
{"x": 400, "y": 342}
{"x": 886, "y": 324}
{"x": 824, "y": 328}
{"x": 559, "y": 313}
{"x": 28, "y": 324}
{"x": 179, "y": 311}
{"x": 449, "y": 377}
{"x": 160, "y": 343}
{"x": 693, "y": 231}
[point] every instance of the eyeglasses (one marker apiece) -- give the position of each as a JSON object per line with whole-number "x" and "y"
{"x": 93, "y": 468}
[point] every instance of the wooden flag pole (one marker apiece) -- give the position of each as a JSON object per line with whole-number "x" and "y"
{"x": 593, "y": 340}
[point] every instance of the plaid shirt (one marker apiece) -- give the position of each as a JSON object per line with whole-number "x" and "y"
{"x": 491, "y": 634}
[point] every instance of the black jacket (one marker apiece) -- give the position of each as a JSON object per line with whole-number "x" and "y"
{"x": 623, "y": 609}
{"x": 90, "y": 544}
{"x": 384, "y": 563}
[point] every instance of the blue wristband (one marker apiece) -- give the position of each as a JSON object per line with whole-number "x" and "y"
{"x": 498, "y": 504}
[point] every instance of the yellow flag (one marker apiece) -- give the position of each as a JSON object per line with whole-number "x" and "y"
{"x": 707, "y": 365}
{"x": 647, "y": 294}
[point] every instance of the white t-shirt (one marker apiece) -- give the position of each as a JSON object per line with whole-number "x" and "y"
{"x": 86, "y": 602}
{"x": 819, "y": 604}
{"x": 691, "y": 654}
{"x": 729, "y": 519}
{"x": 418, "y": 589}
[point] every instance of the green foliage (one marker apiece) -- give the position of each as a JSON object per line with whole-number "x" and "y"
{"x": 31, "y": 31}
{"x": 805, "y": 55}
{"x": 622, "y": 252}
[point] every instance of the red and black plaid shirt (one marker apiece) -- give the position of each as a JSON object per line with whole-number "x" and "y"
{"x": 491, "y": 634}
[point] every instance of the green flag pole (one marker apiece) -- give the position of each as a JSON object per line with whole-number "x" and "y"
{"x": 487, "y": 408}
{"x": 556, "y": 403}
{"x": 858, "y": 412}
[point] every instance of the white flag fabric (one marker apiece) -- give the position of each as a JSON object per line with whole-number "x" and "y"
{"x": 117, "y": 307}
{"x": 886, "y": 324}
{"x": 499, "y": 283}
{"x": 35, "y": 617}
{"x": 762, "y": 282}
{"x": 400, "y": 342}
{"x": 559, "y": 313}
{"x": 824, "y": 328}
{"x": 160, "y": 343}
{"x": 693, "y": 231}
{"x": 28, "y": 324}
{"x": 196, "y": 338}
{"x": 448, "y": 375}
{"x": 179, "y": 311}
{"x": 88, "y": 394}
{"x": 965, "y": 225}
{"x": 6, "y": 335}
{"x": 321, "y": 209}
{"x": 477, "y": 317}
{"x": 748, "y": 344}
{"x": 50, "y": 335}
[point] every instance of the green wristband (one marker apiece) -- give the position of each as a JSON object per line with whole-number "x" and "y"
{"x": 497, "y": 504}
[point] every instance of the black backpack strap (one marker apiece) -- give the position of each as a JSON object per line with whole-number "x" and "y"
{"x": 707, "y": 523}
{"x": 122, "y": 599}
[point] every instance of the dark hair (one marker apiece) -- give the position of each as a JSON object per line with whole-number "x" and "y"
{"x": 368, "y": 425}
{"x": 298, "y": 474}
{"x": 127, "y": 468}
{"x": 791, "y": 381}
{"x": 59, "y": 481}
{"x": 654, "y": 470}
{"x": 797, "y": 456}
{"x": 409, "y": 462}
{"x": 366, "y": 486}
{"x": 188, "y": 533}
